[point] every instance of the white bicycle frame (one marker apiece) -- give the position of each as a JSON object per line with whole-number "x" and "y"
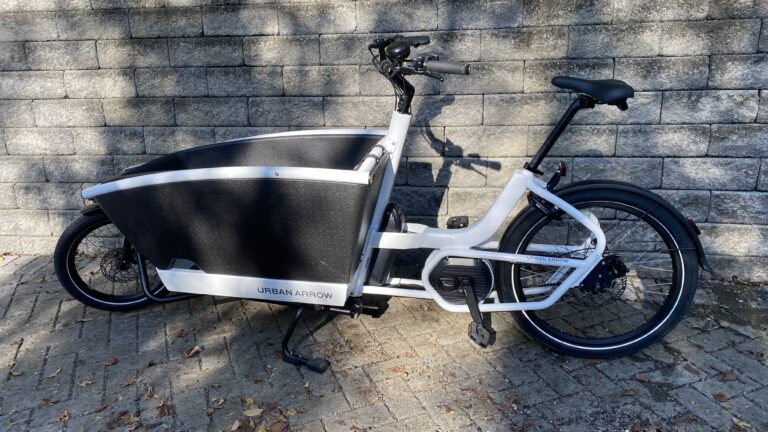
{"x": 468, "y": 242}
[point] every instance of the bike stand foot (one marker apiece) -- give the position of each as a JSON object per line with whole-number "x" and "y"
{"x": 318, "y": 365}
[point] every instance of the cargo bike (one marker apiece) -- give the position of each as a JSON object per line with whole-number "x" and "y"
{"x": 594, "y": 268}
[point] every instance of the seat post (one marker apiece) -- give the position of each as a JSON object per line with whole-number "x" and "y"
{"x": 583, "y": 101}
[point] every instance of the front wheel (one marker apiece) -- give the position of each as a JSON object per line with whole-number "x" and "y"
{"x": 97, "y": 265}
{"x": 634, "y": 296}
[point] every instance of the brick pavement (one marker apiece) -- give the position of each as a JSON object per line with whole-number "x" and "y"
{"x": 67, "y": 367}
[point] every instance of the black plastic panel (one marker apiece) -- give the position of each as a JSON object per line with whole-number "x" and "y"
{"x": 270, "y": 228}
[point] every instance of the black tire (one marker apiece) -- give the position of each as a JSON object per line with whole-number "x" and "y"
{"x": 68, "y": 258}
{"x": 558, "y": 330}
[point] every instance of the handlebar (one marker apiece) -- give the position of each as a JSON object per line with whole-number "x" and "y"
{"x": 447, "y": 67}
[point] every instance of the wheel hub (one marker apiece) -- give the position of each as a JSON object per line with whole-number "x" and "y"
{"x": 610, "y": 274}
{"x": 115, "y": 269}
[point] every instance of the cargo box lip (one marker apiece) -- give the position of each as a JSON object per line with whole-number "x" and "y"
{"x": 310, "y": 132}
{"x": 230, "y": 173}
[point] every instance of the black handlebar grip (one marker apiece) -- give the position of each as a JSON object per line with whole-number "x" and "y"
{"x": 447, "y": 67}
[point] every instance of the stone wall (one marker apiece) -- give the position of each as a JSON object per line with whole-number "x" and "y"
{"x": 89, "y": 87}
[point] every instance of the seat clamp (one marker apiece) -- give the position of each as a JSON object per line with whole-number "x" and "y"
{"x": 586, "y": 101}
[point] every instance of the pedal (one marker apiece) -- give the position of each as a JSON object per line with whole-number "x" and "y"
{"x": 480, "y": 331}
{"x": 482, "y": 336}
{"x": 456, "y": 222}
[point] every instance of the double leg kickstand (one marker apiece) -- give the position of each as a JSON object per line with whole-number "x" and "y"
{"x": 354, "y": 309}
{"x": 318, "y": 365}
{"x": 480, "y": 330}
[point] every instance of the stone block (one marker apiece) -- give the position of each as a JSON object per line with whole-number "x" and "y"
{"x": 139, "y": 112}
{"x": 68, "y": 112}
{"x": 748, "y": 140}
{"x": 396, "y": 16}
{"x": 358, "y": 111}
{"x": 762, "y": 182}
{"x": 166, "y": 22}
{"x": 739, "y": 72}
{"x": 62, "y": 55}
{"x": 685, "y": 38}
{"x": 473, "y": 202}
{"x": 445, "y": 171}
{"x": 317, "y": 17}
{"x": 447, "y": 110}
{"x": 240, "y": 20}
{"x": 284, "y": 111}
{"x": 460, "y": 14}
{"x": 216, "y": 51}
{"x": 93, "y": 24}
{"x": 486, "y": 141}
{"x": 734, "y": 240}
{"x": 132, "y": 53}
{"x": 659, "y": 10}
{"x": 232, "y": 133}
{"x": 281, "y": 50}
{"x": 321, "y": 80}
{"x": 171, "y": 82}
{"x": 102, "y": 83}
{"x": 668, "y": 140}
{"x": 710, "y": 106}
{"x": 421, "y": 201}
{"x": 663, "y": 73}
{"x": 31, "y": 85}
{"x": 16, "y": 113}
{"x": 12, "y": 56}
{"x": 710, "y": 173}
{"x": 567, "y": 12}
{"x": 691, "y": 203}
{"x": 46, "y": 196}
{"x": 644, "y": 172}
{"x": 78, "y": 169}
{"x": 108, "y": 140}
{"x": 625, "y": 40}
{"x": 422, "y": 141}
{"x": 211, "y": 111}
{"x": 24, "y": 222}
{"x": 15, "y": 168}
{"x": 245, "y": 81}
{"x": 575, "y": 141}
{"x": 524, "y": 109}
{"x": 524, "y": 44}
{"x": 39, "y": 141}
{"x": 43, "y": 5}
{"x": 539, "y": 73}
{"x": 491, "y": 77}
{"x": 719, "y": 9}
{"x": 167, "y": 140}
{"x": 7, "y": 197}
{"x": 28, "y": 26}
{"x": 739, "y": 208}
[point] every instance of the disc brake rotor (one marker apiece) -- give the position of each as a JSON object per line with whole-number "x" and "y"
{"x": 115, "y": 269}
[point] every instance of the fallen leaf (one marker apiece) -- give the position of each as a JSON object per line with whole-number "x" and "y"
{"x": 47, "y": 402}
{"x": 629, "y": 392}
{"x": 306, "y": 385}
{"x": 249, "y": 401}
{"x": 397, "y": 369}
{"x": 53, "y": 375}
{"x": 180, "y": 333}
{"x": 741, "y": 423}
{"x": 86, "y": 382}
{"x": 235, "y": 425}
{"x": 17, "y": 343}
{"x": 727, "y": 376}
{"x": 101, "y": 408}
{"x": 41, "y": 279}
{"x": 691, "y": 368}
{"x": 720, "y": 397}
{"x": 131, "y": 381}
{"x": 278, "y": 427}
{"x": 15, "y": 373}
{"x": 642, "y": 377}
{"x": 84, "y": 320}
{"x": 110, "y": 362}
{"x": 191, "y": 352}
{"x": 63, "y": 416}
{"x": 448, "y": 411}
{"x": 220, "y": 403}
{"x": 165, "y": 409}
{"x": 253, "y": 412}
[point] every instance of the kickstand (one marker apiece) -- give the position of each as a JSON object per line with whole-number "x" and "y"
{"x": 480, "y": 329}
{"x": 318, "y": 365}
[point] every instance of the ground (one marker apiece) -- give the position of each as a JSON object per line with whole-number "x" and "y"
{"x": 213, "y": 364}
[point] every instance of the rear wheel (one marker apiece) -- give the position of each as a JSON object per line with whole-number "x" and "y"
{"x": 97, "y": 266}
{"x": 639, "y": 292}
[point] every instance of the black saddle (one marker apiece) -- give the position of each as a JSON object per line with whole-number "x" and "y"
{"x": 610, "y": 92}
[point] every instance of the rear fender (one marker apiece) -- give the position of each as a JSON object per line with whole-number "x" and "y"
{"x": 690, "y": 227}
{"x": 91, "y": 209}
